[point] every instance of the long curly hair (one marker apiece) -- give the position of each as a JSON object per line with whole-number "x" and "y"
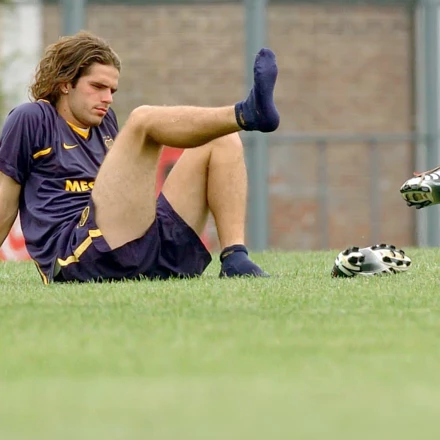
{"x": 67, "y": 60}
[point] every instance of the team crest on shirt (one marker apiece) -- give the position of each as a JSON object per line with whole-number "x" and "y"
{"x": 108, "y": 141}
{"x": 84, "y": 216}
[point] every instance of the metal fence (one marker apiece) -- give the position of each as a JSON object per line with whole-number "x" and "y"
{"x": 355, "y": 203}
{"x": 383, "y": 215}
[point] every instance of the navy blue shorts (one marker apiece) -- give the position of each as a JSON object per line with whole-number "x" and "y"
{"x": 170, "y": 248}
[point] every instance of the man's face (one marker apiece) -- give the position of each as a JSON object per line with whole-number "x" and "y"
{"x": 86, "y": 104}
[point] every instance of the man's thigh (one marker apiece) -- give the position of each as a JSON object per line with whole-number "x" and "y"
{"x": 185, "y": 188}
{"x": 124, "y": 192}
{"x": 192, "y": 180}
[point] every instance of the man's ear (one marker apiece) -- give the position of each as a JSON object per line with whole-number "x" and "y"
{"x": 64, "y": 88}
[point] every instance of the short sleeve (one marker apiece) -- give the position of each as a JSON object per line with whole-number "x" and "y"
{"x": 21, "y": 135}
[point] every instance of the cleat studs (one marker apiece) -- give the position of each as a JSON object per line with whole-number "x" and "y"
{"x": 377, "y": 259}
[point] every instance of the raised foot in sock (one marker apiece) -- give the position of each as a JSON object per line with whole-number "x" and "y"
{"x": 258, "y": 112}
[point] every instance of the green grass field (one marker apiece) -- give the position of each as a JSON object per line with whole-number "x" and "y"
{"x": 297, "y": 356}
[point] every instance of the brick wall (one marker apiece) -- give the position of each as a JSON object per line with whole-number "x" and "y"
{"x": 342, "y": 69}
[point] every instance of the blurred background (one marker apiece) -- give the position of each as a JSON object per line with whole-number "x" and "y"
{"x": 357, "y": 92}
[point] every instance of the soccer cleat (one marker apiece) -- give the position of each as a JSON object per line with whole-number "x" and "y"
{"x": 423, "y": 189}
{"x": 373, "y": 260}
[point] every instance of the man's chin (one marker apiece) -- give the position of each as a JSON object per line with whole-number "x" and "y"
{"x": 95, "y": 122}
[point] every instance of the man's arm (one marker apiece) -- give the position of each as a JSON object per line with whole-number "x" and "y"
{"x": 9, "y": 199}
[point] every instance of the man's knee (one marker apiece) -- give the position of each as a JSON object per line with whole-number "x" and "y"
{"x": 230, "y": 140}
{"x": 140, "y": 118}
{"x": 235, "y": 138}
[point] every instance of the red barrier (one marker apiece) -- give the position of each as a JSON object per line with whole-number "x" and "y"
{"x": 14, "y": 248}
{"x": 167, "y": 160}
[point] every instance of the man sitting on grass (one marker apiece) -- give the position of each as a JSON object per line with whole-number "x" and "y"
{"x": 86, "y": 193}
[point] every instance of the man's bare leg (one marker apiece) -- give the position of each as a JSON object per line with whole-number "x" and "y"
{"x": 124, "y": 191}
{"x": 214, "y": 178}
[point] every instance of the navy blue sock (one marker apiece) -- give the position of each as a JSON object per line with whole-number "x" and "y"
{"x": 235, "y": 262}
{"x": 258, "y": 111}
